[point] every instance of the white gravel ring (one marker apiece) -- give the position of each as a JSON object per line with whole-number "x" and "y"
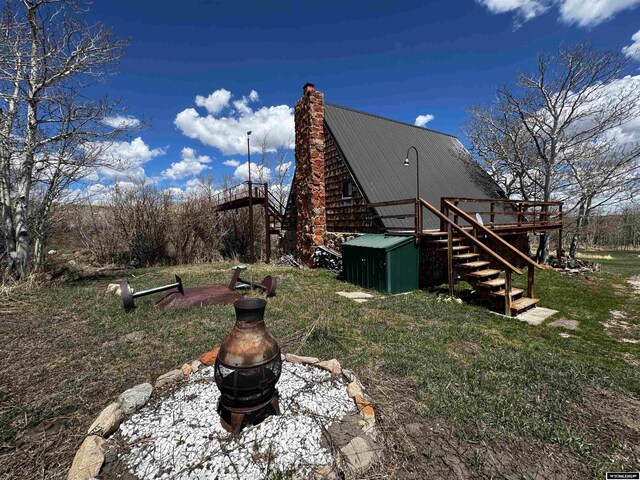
{"x": 180, "y": 437}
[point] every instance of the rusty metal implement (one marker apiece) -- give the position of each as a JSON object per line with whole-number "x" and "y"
{"x": 129, "y": 296}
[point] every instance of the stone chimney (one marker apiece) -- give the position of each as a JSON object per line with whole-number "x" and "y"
{"x": 311, "y": 221}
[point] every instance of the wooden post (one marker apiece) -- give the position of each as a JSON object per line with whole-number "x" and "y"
{"x": 559, "y": 252}
{"x": 519, "y": 214}
{"x": 530, "y": 274}
{"x": 442, "y": 209}
{"x": 267, "y": 225}
{"x": 450, "y": 258}
{"x": 493, "y": 215}
{"x": 507, "y": 292}
{"x": 455, "y": 215}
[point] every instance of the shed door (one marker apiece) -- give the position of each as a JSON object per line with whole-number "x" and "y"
{"x": 371, "y": 268}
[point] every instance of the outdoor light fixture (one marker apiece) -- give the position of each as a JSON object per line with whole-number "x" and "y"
{"x": 406, "y": 164}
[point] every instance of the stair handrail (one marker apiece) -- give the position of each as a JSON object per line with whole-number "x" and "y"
{"x": 490, "y": 234}
{"x": 280, "y": 206}
{"x": 470, "y": 237}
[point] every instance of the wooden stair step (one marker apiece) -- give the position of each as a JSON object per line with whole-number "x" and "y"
{"x": 434, "y": 233}
{"x": 498, "y": 282}
{"x": 501, "y": 293}
{"x": 489, "y": 272}
{"x": 472, "y": 265}
{"x": 457, "y": 248}
{"x": 444, "y": 241}
{"x": 466, "y": 256}
{"x": 522, "y": 304}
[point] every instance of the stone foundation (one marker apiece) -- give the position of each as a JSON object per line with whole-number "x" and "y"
{"x": 334, "y": 240}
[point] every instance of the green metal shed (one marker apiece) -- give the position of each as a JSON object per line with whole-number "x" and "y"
{"x": 380, "y": 262}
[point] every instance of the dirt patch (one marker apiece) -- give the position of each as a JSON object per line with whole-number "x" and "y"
{"x": 463, "y": 350}
{"x": 417, "y": 447}
{"x": 622, "y": 327}
{"x": 342, "y": 432}
{"x": 616, "y": 419}
{"x": 631, "y": 359}
{"x": 564, "y": 323}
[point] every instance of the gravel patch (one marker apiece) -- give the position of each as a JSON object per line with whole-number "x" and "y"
{"x": 180, "y": 437}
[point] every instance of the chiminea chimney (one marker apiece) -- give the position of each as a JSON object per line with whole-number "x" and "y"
{"x": 309, "y": 183}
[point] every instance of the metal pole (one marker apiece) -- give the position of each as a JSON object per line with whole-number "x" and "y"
{"x": 252, "y": 258}
{"x": 267, "y": 224}
{"x": 418, "y": 205}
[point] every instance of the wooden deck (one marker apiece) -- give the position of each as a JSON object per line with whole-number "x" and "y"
{"x": 468, "y": 242}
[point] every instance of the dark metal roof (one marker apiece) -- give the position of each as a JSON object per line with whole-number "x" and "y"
{"x": 375, "y": 147}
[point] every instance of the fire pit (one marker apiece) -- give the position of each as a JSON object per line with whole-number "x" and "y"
{"x": 247, "y": 369}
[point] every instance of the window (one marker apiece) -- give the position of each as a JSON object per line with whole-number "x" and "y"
{"x": 347, "y": 190}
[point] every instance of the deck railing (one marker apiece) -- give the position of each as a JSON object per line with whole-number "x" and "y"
{"x": 482, "y": 236}
{"x": 504, "y": 212}
{"x": 240, "y": 191}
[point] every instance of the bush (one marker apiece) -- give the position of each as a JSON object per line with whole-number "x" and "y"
{"x": 145, "y": 226}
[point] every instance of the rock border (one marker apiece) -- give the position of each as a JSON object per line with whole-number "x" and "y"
{"x": 89, "y": 457}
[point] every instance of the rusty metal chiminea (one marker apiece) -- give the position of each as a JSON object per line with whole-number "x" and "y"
{"x": 247, "y": 369}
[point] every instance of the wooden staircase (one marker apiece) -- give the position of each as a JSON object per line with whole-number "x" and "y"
{"x": 479, "y": 269}
{"x": 275, "y": 213}
{"x": 470, "y": 250}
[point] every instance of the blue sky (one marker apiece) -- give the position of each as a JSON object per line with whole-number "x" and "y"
{"x": 392, "y": 58}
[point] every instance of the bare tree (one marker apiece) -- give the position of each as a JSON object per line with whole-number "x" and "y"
{"x": 605, "y": 173}
{"x": 49, "y": 55}
{"x": 275, "y": 160}
{"x": 562, "y": 107}
{"x": 501, "y": 145}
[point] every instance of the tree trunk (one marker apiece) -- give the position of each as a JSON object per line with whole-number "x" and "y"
{"x": 21, "y": 202}
{"x": 6, "y": 187}
{"x": 579, "y": 226}
{"x": 20, "y": 256}
{"x": 542, "y": 255}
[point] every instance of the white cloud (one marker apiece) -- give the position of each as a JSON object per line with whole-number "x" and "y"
{"x": 215, "y": 102}
{"x": 99, "y": 193}
{"x": 284, "y": 167}
{"x": 228, "y": 132}
{"x": 189, "y": 166}
{"x": 231, "y": 163}
{"x": 527, "y": 9}
{"x": 120, "y": 121}
{"x": 593, "y": 12}
{"x": 127, "y": 159}
{"x": 629, "y": 132}
{"x": 259, "y": 173}
{"x": 422, "y": 120}
{"x": 175, "y": 192}
{"x": 581, "y": 12}
{"x": 633, "y": 50}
